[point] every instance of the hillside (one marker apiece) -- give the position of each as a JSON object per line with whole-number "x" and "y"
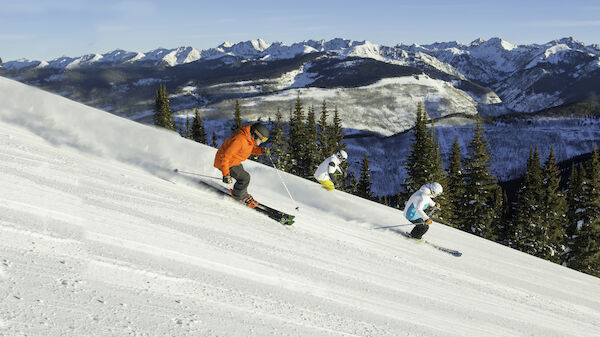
{"x": 100, "y": 238}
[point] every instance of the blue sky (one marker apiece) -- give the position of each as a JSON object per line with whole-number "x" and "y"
{"x": 44, "y": 30}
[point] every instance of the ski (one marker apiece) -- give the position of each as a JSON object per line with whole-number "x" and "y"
{"x": 452, "y": 252}
{"x": 279, "y": 216}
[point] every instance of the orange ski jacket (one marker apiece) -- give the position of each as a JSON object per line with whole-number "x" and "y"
{"x": 235, "y": 150}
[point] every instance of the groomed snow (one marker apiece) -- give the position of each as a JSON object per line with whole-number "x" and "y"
{"x": 100, "y": 238}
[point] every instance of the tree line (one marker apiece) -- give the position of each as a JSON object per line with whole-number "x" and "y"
{"x": 561, "y": 225}
{"x": 298, "y": 145}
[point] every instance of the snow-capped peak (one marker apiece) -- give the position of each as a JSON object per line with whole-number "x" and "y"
{"x": 570, "y": 41}
{"x": 476, "y": 42}
{"x": 364, "y": 49}
{"x": 499, "y": 43}
{"x": 225, "y": 45}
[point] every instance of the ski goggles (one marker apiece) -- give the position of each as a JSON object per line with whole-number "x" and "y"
{"x": 260, "y": 137}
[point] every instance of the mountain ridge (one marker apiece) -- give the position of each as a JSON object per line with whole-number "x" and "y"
{"x": 527, "y": 78}
{"x": 259, "y": 49}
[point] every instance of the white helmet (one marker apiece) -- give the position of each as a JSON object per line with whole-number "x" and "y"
{"x": 342, "y": 155}
{"x": 435, "y": 188}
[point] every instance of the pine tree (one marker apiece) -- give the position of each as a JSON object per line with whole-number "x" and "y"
{"x": 500, "y": 223}
{"x": 297, "y": 139}
{"x": 188, "y": 129}
{"x": 214, "y": 140}
{"x": 479, "y": 187}
{"x": 418, "y": 165}
{"x": 574, "y": 192}
{"x": 585, "y": 256}
{"x": 437, "y": 173}
{"x": 353, "y": 184}
{"x": 454, "y": 210}
{"x": 363, "y": 189}
{"x": 237, "y": 118}
{"x": 336, "y": 133}
{"x": 575, "y": 216}
{"x": 198, "y": 132}
{"x": 424, "y": 163}
{"x": 278, "y": 143}
{"x": 529, "y": 223}
{"x": 323, "y": 133}
{"x": 162, "y": 110}
{"x": 312, "y": 157}
{"x": 554, "y": 209}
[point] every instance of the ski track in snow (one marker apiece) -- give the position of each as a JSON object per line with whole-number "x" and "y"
{"x": 115, "y": 244}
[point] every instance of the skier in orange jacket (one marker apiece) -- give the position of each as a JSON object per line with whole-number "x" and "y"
{"x": 233, "y": 152}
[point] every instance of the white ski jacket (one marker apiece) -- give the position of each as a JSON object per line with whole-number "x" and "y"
{"x": 418, "y": 203}
{"x": 327, "y": 167}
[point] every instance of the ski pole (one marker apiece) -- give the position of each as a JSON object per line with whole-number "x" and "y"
{"x": 195, "y": 174}
{"x": 409, "y": 224}
{"x": 284, "y": 185}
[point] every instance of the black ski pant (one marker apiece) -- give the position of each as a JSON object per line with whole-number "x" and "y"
{"x": 242, "y": 180}
{"x": 420, "y": 229}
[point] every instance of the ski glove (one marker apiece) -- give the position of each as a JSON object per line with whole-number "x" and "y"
{"x": 428, "y": 222}
{"x": 266, "y": 151}
{"x": 437, "y": 205}
{"x": 227, "y": 179}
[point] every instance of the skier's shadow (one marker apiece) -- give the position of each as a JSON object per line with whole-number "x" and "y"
{"x": 399, "y": 231}
{"x": 395, "y": 230}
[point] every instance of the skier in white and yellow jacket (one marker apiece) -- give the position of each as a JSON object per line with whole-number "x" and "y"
{"x": 328, "y": 167}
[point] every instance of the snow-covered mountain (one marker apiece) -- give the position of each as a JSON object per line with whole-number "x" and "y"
{"x": 375, "y": 88}
{"x": 247, "y": 50}
{"x": 496, "y": 57}
{"x": 526, "y": 78}
{"x": 99, "y": 237}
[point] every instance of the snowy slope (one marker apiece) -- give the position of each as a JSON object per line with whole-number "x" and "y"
{"x": 100, "y": 238}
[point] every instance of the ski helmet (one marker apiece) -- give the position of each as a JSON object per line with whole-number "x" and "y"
{"x": 435, "y": 188}
{"x": 260, "y": 131}
{"x": 342, "y": 155}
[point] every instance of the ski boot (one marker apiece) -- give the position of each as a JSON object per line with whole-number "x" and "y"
{"x": 249, "y": 201}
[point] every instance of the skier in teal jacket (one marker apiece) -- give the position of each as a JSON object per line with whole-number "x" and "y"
{"x": 416, "y": 206}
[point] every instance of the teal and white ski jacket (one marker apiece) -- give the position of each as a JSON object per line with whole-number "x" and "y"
{"x": 418, "y": 203}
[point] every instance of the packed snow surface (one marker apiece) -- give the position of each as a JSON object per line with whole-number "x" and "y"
{"x": 101, "y": 238}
